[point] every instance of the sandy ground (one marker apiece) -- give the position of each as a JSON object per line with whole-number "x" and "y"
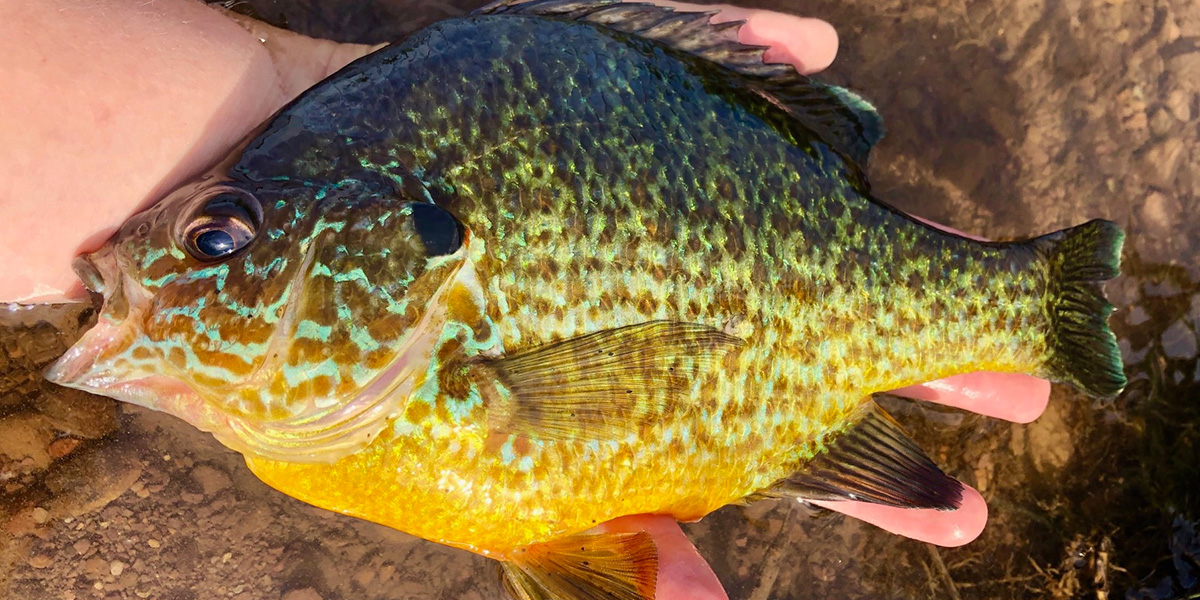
{"x": 1005, "y": 119}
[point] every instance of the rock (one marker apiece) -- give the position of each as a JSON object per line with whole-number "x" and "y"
{"x": 94, "y": 476}
{"x": 1161, "y": 162}
{"x": 302, "y": 594}
{"x": 1158, "y": 213}
{"x": 1180, "y": 105}
{"x": 26, "y": 435}
{"x": 82, "y": 546}
{"x": 63, "y": 446}
{"x": 1162, "y": 122}
{"x": 116, "y": 567}
{"x": 211, "y": 479}
{"x": 41, "y": 561}
{"x": 1178, "y": 341}
{"x": 40, "y": 515}
{"x": 78, "y": 413}
{"x": 1049, "y": 439}
{"x": 364, "y": 575}
{"x": 95, "y": 567}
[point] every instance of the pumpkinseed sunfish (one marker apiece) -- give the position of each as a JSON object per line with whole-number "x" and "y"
{"x": 562, "y": 261}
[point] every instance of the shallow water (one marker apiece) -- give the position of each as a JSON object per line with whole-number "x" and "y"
{"x": 1005, "y": 119}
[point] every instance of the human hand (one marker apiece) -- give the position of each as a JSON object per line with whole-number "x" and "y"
{"x": 109, "y": 104}
{"x": 106, "y": 126}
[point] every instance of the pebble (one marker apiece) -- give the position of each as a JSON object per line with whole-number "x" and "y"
{"x": 1180, "y": 105}
{"x": 1179, "y": 341}
{"x": 211, "y": 479}
{"x": 63, "y": 446}
{"x": 116, "y": 568}
{"x": 40, "y": 515}
{"x": 95, "y": 567}
{"x": 41, "y": 561}
{"x": 1162, "y": 122}
{"x": 365, "y": 575}
{"x": 82, "y": 546}
{"x": 153, "y": 543}
{"x": 80, "y": 414}
{"x": 1162, "y": 161}
{"x": 27, "y": 436}
{"x": 302, "y": 594}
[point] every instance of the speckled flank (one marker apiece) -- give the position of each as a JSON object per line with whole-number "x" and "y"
{"x": 606, "y": 183}
{"x": 600, "y": 181}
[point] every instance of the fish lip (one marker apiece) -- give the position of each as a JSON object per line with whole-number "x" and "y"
{"x": 75, "y": 368}
{"x": 88, "y": 273}
{"x": 101, "y": 274}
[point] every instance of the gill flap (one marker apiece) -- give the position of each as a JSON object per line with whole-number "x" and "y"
{"x": 597, "y": 386}
{"x": 842, "y": 119}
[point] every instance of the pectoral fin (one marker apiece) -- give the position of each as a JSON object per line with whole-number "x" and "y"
{"x": 597, "y": 386}
{"x": 606, "y": 566}
{"x": 875, "y": 461}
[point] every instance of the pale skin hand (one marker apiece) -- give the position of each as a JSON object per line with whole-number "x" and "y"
{"x": 108, "y": 104}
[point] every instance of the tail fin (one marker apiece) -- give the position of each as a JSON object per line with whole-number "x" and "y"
{"x": 1083, "y": 350}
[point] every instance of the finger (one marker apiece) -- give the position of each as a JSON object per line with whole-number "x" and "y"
{"x": 301, "y": 61}
{"x": 1009, "y": 396}
{"x": 948, "y": 229}
{"x": 682, "y": 573}
{"x": 941, "y": 527}
{"x": 808, "y": 44}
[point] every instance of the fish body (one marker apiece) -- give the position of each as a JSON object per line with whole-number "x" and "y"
{"x": 560, "y": 262}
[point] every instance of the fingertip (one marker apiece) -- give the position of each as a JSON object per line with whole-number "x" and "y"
{"x": 809, "y": 44}
{"x": 949, "y": 528}
{"x": 682, "y": 573}
{"x": 1009, "y": 396}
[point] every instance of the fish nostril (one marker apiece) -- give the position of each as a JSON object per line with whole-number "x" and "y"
{"x": 89, "y": 274}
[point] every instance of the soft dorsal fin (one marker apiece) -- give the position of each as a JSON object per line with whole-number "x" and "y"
{"x": 841, "y": 118}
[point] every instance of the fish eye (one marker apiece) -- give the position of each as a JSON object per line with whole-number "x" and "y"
{"x": 439, "y": 230}
{"x": 221, "y": 224}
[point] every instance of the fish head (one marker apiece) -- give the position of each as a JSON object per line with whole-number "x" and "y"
{"x": 289, "y": 321}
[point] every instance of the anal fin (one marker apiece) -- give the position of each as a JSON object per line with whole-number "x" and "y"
{"x": 874, "y": 461}
{"x": 605, "y": 566}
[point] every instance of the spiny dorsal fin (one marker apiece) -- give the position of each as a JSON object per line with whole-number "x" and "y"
{"x": 596, "y": 386}
{"x": 874, "y": 461}
{"x": 838, "y": 116}
{"x": 606, "y": 566}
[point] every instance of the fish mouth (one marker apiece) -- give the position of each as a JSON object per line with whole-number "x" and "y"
{"x": 79, "y": 366}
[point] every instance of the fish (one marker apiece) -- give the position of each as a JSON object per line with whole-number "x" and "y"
{"x": 561, "y": 261}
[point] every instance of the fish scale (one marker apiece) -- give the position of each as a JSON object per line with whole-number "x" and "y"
{"x": 560, "y": 262}
{"x": 599, "y": 266}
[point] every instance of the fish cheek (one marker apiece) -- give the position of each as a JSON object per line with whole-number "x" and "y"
{"x": 210, "y": 334}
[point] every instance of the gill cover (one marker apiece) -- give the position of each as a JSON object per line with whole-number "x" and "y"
{"x": 289, "y": 322}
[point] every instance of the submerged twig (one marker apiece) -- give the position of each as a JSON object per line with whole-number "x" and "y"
{"x": 941, "y": 567}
